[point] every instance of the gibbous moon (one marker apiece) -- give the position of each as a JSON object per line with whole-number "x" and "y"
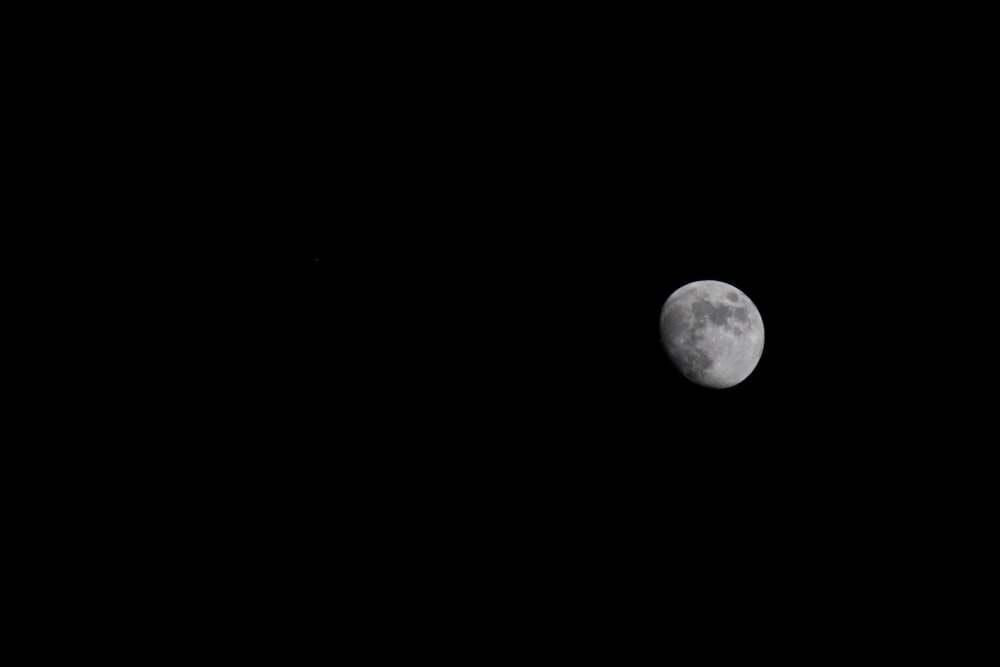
{"x": 712, "y": 332}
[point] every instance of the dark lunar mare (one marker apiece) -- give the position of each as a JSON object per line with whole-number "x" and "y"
{"x": 716, "y": 314}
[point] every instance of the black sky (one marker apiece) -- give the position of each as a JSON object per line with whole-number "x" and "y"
{"x": 345, "y": 327}
{"x": 465, "y": 335}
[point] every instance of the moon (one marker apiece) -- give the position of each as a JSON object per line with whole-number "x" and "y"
{"x": 713, "y": 333}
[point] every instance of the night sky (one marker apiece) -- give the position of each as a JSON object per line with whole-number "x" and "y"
{"x": 468, "y": 341}
{"x": 340, "y": 335}
{"x": 514, "y": 408}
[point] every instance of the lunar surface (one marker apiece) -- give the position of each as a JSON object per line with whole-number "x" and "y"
{"x": 712, "y": 332}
